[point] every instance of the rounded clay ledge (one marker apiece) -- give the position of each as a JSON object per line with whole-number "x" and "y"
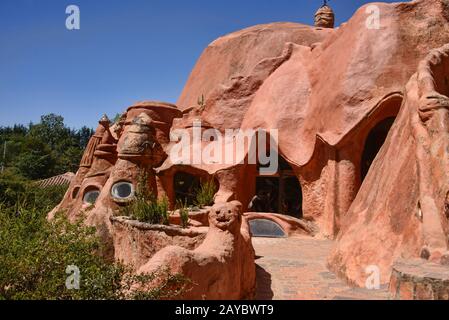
{"x": 170, "y": 230}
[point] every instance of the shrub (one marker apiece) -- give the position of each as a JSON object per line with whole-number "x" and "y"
{"x": 147, "y": 208}
{"x": 183, "y": 212}
{"x": 35, "y": 254}
{"x": 20, "y": 193}
{"x": 205, "y": 194}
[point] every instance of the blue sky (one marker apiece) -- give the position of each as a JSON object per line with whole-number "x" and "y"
{"x": 125, "y": 51}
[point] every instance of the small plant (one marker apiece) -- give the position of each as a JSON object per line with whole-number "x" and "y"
{"x": 162, "y": 207}
{"x": 183, "y": 212}
{"x": 159, "y": 285}
{"x": 201, "y": 102}
{"x": 146, "y": 207}
{"x": 205, "y": 194}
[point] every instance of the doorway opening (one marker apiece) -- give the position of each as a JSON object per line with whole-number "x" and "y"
{"x": 374, "y": 143}
{"x": 186, "y": 186}
{"x": 279, "y": 193}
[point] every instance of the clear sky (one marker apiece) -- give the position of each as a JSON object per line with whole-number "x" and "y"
{"x": 125, "y": 51}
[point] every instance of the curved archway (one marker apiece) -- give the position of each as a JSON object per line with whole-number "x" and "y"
{"x": 374, "y": 142}
{"x": 383, "y": 118}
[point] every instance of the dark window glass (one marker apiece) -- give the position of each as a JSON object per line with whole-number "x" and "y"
{"x": 266, "y": 228}
{"x": 91, "y": 196}
{"x": 122, "y": 190}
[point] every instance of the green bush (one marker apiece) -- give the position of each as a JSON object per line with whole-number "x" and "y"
{"x": 205, "y": 194}
{"x": 183, "y": 212}
{"x": 19, "y": 193}
{"x": 35, "y": 253}
{"x": 147, "y": 208}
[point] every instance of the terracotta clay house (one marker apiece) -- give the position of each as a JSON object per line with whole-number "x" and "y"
{"x": 339, "y": 102}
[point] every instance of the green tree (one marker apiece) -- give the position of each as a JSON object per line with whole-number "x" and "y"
{"x": 51, "y": 129}
{"x": 69, "y": 160}
{"x": 83, "y": 135}
{"x": 36, "y": 161}
{"x": 44, "y": 149}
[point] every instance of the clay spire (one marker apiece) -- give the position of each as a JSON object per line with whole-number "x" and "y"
{"x": 94, "y": 141}
{"x": 325, "y": 17}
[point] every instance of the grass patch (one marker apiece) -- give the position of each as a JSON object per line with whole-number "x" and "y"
{"x": 205, "y": 194}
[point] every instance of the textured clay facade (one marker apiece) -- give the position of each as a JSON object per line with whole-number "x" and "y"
{"x": 362, "y": 120}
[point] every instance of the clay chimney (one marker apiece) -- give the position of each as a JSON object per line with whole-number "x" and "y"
{"x": 325, "y": 17}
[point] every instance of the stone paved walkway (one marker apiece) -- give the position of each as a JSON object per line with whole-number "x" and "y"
{"x": 295, "y": 269}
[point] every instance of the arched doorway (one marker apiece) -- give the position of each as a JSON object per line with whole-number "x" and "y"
{"x": 279, "y": 193}
{"x": 186, "y": 186}
{"x": 374, "y": 143}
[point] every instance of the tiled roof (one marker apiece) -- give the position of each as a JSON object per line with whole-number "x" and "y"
{"x": 61, "y": 180}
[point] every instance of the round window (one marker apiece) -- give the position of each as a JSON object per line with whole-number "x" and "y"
{"x": 91, "y": 196}
{"x": 122, "y": 190}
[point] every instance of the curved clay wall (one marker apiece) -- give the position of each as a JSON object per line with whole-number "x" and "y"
{"x": 400, "y": 209}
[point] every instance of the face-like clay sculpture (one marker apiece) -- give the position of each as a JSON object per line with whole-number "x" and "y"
{"x": 226, "y": 216}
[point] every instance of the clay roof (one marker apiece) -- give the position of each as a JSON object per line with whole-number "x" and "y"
{"x": 308, "y": 96}
{"x": 237, "y": 54}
